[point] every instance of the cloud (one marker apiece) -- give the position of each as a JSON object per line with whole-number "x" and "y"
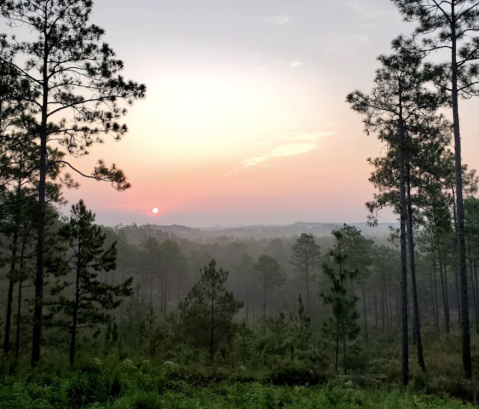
{"x": 336, "y": 41}
{"x": 299, "y": 144}
{"x": 296, "y": 64}
{"x": 261, "y": 143}
{"x": 312, "y": 136}
{"x": 278, "y": 20}
{"x": 363, "y": 12}
{"x": 254, "y": 161}
{"x": 293, "y": 149}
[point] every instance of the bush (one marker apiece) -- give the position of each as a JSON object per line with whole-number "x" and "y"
{"x": 293, "y": 373}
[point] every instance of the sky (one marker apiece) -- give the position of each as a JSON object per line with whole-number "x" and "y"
{"x": 245, "y": 120}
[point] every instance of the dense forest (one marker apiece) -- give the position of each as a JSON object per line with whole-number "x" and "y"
{"x": 306, "y": 315}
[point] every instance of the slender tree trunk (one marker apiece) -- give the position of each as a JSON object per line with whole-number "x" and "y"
{"x": 19, "y": 301}
{"x": 404, "y": 285}
{"x": 152, "y": 281}
{"x": 337, "y": 345}
{"x": 165, "y": 298}
{"x": 365, "y": 312}
{"x": 264, "y": 300}
{"x": 76, "y": 305}
{"x": 19, "y": 320}
{"x": 11, "y": 285}
{"x": 412, "y": 266}
{"x": 212, "y": 340}
{"x": 458, "y": 296}
{"x": 461, "y": 240}
{"x": 434, "y": 289}
{"x": 307, "y": 295}
{"x": 474, "y": 295}
{"x": 445, "y": 297}
{"x": 345, "y": 352}
{"x": 383, "y": 302}
{"x": 476, "y": 285}
{"x": 39, "y": 277}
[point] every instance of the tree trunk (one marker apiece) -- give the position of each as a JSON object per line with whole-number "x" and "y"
{"x": 39, "y": 276}
{"x": 11, "y": 285}
{"x": 76, "y": 305}
{"x": 152, "y": 281}
{"x": 458, "y": 296}
{"x": 476, "y": 285}
{"x": 264, "y": 301}
{"x": 445, "y": 296}
{"x": 404, "y": 286}
{"x": 212, "y": 340}
{"x": 365, "y": 313}
{"x": 19, "y": 320}
{"x": 165, "y": 295}
{"x": 412, "y": 266}
{"x": 474, "y": 295}
{"x": 461, "y": 240}
{"x": 19, "y": 301}
{"x": 337, "y": 345}
{"x": 435, "y": 299}
{"x": 345, "y": 353}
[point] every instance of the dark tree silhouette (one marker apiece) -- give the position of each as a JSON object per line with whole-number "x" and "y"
{"x": 206, "y": 314}
{"x": 84, "y": 255}
{"x": 306, "y": 260}
{"x": 452, "y": 26}
{"x": 397, "y": 102}
{"x": 74, "y": 84}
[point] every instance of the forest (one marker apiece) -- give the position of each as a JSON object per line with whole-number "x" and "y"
{"x": 308, "y": 315}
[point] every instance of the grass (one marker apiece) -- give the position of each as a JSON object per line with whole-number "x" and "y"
{"x": 147, "y": 386}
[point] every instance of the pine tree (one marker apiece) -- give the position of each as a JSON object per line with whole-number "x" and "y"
{"x": 396, "y": 105}
{"x": 359, "y": 251}
{"x": 306, "y": 260}
{"x": 342, "y": 326}
{"x": 81, "y": 259}
{"x": 302, "y": 329}
{"x": 452, "y": 26}
{"x": 70, "y": 75}
{"x": 206, "y": 314}
{"x": 270, "y": 276}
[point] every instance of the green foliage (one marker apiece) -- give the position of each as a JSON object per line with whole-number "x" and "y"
{"x": 306, "y": 260}
{"x": 146, "y": 387}
{"x": 270, "y": 276}
{"x": 206, "y": 314}
{"x": 80, "y": 258}
{"x": 342, "y": 325}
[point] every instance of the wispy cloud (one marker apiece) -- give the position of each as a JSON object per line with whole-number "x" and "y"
{"x": 296, "y": 64}
{"x": 297, "y": 144}
{"x": 364, "y": 12}
{"x": 293, "y": 149}
{"x": 261, "y": 143}
{"x": 336, "y": 41}
{"x": 278, "y": 20}
{"x": 311, "y": 136}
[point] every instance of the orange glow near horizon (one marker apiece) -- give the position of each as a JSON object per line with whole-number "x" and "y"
{"x": 245, "y": 121}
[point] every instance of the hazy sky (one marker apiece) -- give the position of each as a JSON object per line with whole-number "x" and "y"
{"x": 245, "y": 119}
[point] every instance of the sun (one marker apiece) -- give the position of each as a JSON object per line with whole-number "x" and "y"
{"x": 155, "y": 210}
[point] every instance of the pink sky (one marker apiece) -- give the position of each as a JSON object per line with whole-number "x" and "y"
{"x": 245, "y": 119}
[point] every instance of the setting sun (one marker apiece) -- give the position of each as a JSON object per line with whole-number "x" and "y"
{"x": 154, "y": 210}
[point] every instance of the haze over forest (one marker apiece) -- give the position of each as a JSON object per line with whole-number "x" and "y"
{"x": 216, "y": 204}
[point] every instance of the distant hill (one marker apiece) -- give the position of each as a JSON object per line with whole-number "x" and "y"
{"x": 271, "y": 231}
